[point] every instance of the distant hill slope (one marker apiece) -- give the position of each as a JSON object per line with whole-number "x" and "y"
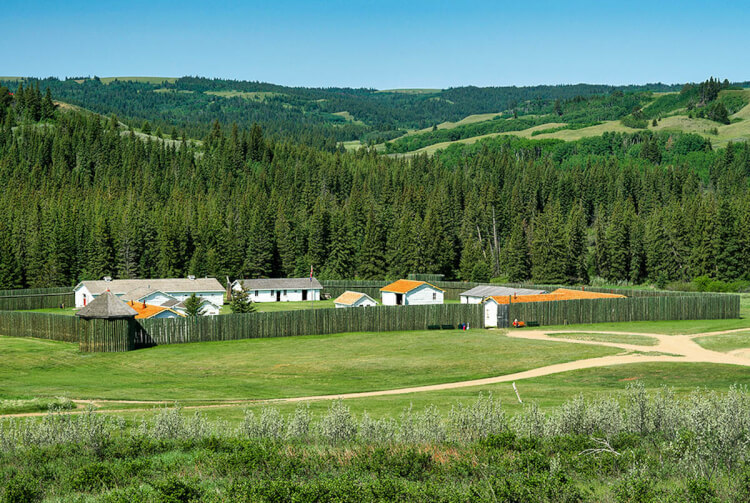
{"x": 320, "y": 116}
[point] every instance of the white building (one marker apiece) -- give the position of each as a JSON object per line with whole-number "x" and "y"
{"x": 279, "y": 289}
{"x": 405, "y": 292}
{"x": 477, "y": 294}
{"x": 354, "y": 299}
{"x": 152, "y": 291}
{"x": 490, "y": 312}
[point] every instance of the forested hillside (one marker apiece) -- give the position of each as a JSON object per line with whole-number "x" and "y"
{"x": 314, "y": 116}
{"x": 83, "y": 199}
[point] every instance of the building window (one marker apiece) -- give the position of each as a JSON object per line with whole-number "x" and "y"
{"x": 256, "y": 293}
{"x": 285, "y": 292}
{"x": 434, "y": 296}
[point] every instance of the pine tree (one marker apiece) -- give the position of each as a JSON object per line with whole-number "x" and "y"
{"x": 372, "y": 256}
{"x": 728, "y": 267}
{"x": 241, "y": 303}
{"x": 577, "y": 246}
{"x": 517, "y": 254}
{"x": 193, "y": 306}
{"x": 548, "y": 250}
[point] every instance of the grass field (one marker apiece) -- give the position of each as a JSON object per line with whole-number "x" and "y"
{"x": 272, "y": 368}
{"x": 641, "y": 340}
{"x": 726, "y": 342}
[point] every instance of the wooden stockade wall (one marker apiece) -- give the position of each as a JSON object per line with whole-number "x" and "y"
{"x": 647, "y": 308}
{"x": 106, "y": 336}
{"x": 35, "y": 298}
{"x": 55, "y": 327}
{"x": 305, "y": 322}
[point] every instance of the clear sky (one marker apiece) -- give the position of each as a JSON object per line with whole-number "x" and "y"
{"x": 383, "y": 44}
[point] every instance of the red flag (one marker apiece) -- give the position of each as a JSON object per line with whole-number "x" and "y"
{"x": 311, "y": 272}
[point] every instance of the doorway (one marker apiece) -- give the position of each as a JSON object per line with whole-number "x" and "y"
{"x": 399, "y": 299}
{"x": 278, "y": 295}
{"x": 304, "y": 294}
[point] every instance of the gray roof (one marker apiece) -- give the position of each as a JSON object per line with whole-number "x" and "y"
{"x": 491, "y": 291}
{"x": 281, "y": 284}
{"x": 106, "y": 306}
{"x": 123, "y": 286}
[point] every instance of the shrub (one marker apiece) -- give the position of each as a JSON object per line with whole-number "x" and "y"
{"x": 338, "y": 424}
{"x": 21, "y": 489}
{"x": 174, "y": 490}
{"x": 93, "y": 477}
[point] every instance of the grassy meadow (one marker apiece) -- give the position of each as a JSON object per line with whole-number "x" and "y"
{"x": 274, "y": 368}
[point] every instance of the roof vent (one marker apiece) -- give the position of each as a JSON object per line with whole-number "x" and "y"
{"x": 107, "y": 278}
{"x": 190, "y": 276}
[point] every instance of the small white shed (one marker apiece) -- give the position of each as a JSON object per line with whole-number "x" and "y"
{"x": 405, "y": 292}
{"x": 354, "y": 299}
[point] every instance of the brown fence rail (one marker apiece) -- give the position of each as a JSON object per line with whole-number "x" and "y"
{"x": 304, "y": 322}
{"x": 562, "y": 312}
{"x": 55, "y": 327}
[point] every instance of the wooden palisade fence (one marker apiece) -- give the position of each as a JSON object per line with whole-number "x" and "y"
{"x": 105, "y": 336}
{"x": 562, "y": 312}
{"x": 306, "y": 322}
{"x": 36, "y": 298}
{"x": 55, "y": 327}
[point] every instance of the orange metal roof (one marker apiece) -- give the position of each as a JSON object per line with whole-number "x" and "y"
{"x": 559, "y": 294}
{"x": 406, "y": 285}
{"x": 146, "y": 310}
{"x": 349, "y": 298}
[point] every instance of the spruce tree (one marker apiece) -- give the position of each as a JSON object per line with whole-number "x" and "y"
{"x": 548, "y": 250}
{"x": 517, "y": 255}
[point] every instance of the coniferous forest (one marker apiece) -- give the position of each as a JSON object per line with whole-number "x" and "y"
{"x": 83, "y": 198}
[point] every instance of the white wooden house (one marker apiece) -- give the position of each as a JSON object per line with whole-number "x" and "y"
{"x": 405, "y": 292}
{"x": 279, "y": 289}
{"x": 354, "y": 299}
{"x": 155, "y": 291}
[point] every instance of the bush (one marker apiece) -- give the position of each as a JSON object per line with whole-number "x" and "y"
{"x": 21, "y": 490}
{"x": 174, "y": 490}
{"x": 93, "y": 477}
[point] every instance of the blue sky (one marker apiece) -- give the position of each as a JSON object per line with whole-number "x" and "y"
{"x": 382, "y": 44}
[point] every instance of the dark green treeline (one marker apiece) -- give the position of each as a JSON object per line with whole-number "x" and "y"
{"x": 81, "y": 199}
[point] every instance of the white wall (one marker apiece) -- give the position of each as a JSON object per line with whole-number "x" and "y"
{"x": 213, "y": 297}
{"x": 423, "y": 295}
{"x": 156, "y": 298}
{"x": 166, "y": 314}
{"x": 388, "y": 298}
{"x": 289, "y": 296}
{"x": 471, "y": 299}
{"x": 82, "y": 293}
{"x": 490, "y": 313}
{"x": 209, "y": 310}
{"x": 362, "y": 302}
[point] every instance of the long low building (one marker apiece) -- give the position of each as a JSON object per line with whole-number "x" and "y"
{"x": 477, "y": 294}
{"x": 152, "y": 291}
{"x": 279, "y": 289}
{"x": 492, "y": 304}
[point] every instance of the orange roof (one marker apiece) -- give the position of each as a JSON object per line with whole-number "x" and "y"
{"x": 559, "y": 294}
{"x": 406, "y": 285}
{"x": 349, "y": 298}
{"x": 147, "y": 310}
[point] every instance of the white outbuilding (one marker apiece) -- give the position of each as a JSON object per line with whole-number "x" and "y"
{"x": 279, "y": 289}
{"x": 477, "y": 294}
{"x": 405, "y": 292}
{"x": 354, "y": 299}
{"x": 152, "y": 291}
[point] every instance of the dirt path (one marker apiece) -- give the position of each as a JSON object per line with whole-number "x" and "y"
{"x": 670, "y": 348}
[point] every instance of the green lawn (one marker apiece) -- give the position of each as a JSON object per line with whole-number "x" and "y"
{"x": 619, "y": 338}
{"x": 547, "y": 392}
{"x": 272, "y": 368}
{"x": 726, "y": 342}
